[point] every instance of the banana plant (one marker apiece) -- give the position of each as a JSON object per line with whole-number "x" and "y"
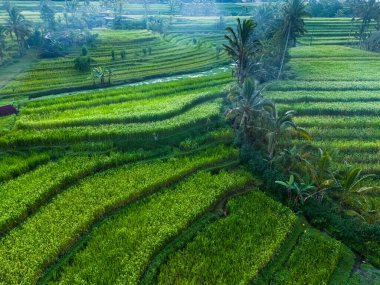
{"x": 280, "y": 127}
{"x": 352, "y": 195}
{"x": 247, "y": 105}
{"x": 302, "y": 191}
{"x": 99, "y": 73}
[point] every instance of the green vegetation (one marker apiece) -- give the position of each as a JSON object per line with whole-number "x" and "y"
{"x": 339, "y": 117}
{"x": 23, "y": 195}
{"x": 233, "y": 249}
{"x": 150, "y": 131}
{"x": 141, "y": 229}
{"x": 28, "y": 249}
{"x": 12, "y": 165}
{"x": 169, "y": 57}
{"x": 312, "y": 262}
{"x": 143, "y": 147}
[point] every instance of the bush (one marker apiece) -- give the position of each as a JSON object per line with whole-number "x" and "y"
{"x": 83, "y": 63}
{"x": 374, "y": 42}
{"x": 123, "y": 54}
{"x": 51, "y": 49}
{"x": 325, "y": 215}
{"x": 84, "y": 51}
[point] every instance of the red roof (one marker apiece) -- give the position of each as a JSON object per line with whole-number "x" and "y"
{"x": 7, "y": 110}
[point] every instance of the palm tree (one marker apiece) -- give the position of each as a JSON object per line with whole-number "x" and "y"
{"x": 293, "y": 24}
{"x": 247, "y": 106}
{"x": 241, "y": 47}
{"x": 18, "y": 26}
{"x": 366, "y": 10}
{"x": 173, "y": 6}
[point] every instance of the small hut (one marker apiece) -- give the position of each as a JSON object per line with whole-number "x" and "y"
{"x": 7, "y": 110}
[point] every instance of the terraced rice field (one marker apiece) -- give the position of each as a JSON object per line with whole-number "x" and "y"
{"x": 94, "y": 202}
{"x": 336, "y": 91}
{"x": 32, "y": 13}
{"x": 138, "y": 114}
{"x": 139, "y": 184}
{"x": 330, "y": 31}
{"x": 163, "y": 56}
{"x": 59, "y": 214}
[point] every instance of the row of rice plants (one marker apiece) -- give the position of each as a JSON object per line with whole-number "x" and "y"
{"x": 339, "y": 121}
{"x": 304, "y": 96}
{"x": 233, "y": 249}
{"x": 128, "y": 112}
{"x": 13, "y": 165}
{"x": 113, "y": 95}
{"x": 311, "y": 52}
{"x": 313, "y": 261}
{"x": 321, "y": 69}
{"x": 27, "y": 250}
{"x": 331, "y": 31}
{"x": 21, "y": 196}
{"x": 133, "y": 236}
{"x": 201, "y": 115}
{"x": 331, "y": 85}
{"x": 335, "y": 108}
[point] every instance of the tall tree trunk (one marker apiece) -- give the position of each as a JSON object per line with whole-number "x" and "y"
{"x": 284, "y": 53}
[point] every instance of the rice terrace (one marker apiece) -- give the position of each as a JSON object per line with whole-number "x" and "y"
{"x": 190, "y": 142}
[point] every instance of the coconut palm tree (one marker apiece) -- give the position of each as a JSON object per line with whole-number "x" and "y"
{"x": 247, "y": 106}
{"x": 18, "y": 26}
{"x": 366, "y": 11}
{"x": 293, "y": 25}
{"x": 241, "y": 47}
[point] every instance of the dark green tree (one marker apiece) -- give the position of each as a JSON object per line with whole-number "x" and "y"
{"x": 366, "y": 11}
{"x": 17, "y": 26}
{"x": 292, "y": 25}
{"x": 241, "y": 47}
{"x": 47, "y": 15}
